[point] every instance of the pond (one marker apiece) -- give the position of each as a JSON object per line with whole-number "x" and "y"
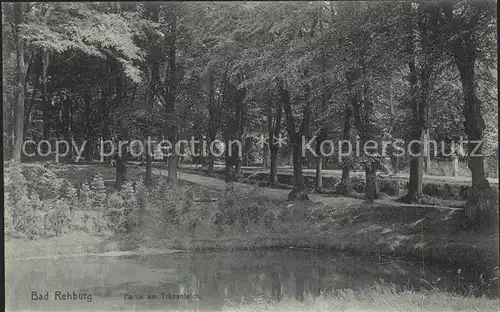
{"x": 212, "y": 279}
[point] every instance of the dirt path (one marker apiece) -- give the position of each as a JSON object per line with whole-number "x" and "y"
{"x": 276, "y": 194}
{"x": 282, "y": 194}
{"x": 338, "y": 173}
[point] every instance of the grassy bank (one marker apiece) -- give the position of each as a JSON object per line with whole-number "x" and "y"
{"x": 377, "y": 299}
{"x": 198, "y": 217}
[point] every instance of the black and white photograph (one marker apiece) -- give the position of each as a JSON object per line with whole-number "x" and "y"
{"x": 251, "y": 156}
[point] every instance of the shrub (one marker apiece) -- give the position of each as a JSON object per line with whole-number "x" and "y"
{"x": 86, "y": 195}
{"x": 27, "y": 220}
{"x": 49, "y": 185}
{"x": 451, "y": 191}
{"x": 8, "y": 216}
{"x": 56, "y": 217}
{"x": 72, "y": 197}
{"x": 122, "y": 210}
{"x": 15, "y": 183}
{"x": 170, "y": 203}
{"x": 34, "y": 209}
{"x": 269, "y": 219}
{"x": 431, "y": 189}
{"x": 174, "y": 206}
{"x": 293, "y": 212}
{"x": 464, "y": 192}
{"x": 188, "y": 200}
{"x": 131, "y": 206}
{"x": 248, "y": 214}
{"x": 227, "y": 205}
{"x": 127, "y": 193}
{"x": 98, "y": 224}
{"x": 116, "y": 214}
{"x": 445, "y": 191}
{"x": 357, "y": 183}
{"x": 329, "y": 182}
{"x": 389, "y": 187}
{"x": 142, "y": 195}
{"x": 98, "y": 189}
{"x": 482, "y": 207}
{"x": 85, "y": 218}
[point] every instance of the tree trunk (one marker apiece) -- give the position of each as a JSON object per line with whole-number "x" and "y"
{"x": 319, "y": 159}
{"x": 344, "y": 187}
{"x": 20, "y": 81}
{"x": 148, "y": 178}
{"x": 27, "y": 114}
{"x": 371, "y": 187}
{"x": 170, "y": 96}
{"x": 172, "y": 170}
{"x": 150, "y": 97}
{"x": 362, "y": 110}
{"x": 66, "y": 118}
{"x": 45, "y": 98}
{"x": 319, "y": 173}
{"x": 273, "y": 169}
{"x": 121, "y": 168}
{"x": 299, "y": 191}
{"x": 265, "y": 156}
{"x": 415, "y": 183}
{"x": 229, "y": 168}
{"x": 427, "y": 154}
{"x": 474, "y": 124}
{"x": 88, "y": 128}
{"x": 212, "y": 122}
{"x": 67, "y": 123}
{"x": 274, "y": 129}
{"x": 427, "y": 28}
{"x": 238, "y": 118}
{"x": 247, "y": 149}
{"x": 482, "y": 205}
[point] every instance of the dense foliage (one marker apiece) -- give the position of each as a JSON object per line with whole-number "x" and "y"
{"x": 337, "y": 70}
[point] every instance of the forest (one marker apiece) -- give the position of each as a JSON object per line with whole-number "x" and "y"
{"x": 279, "y": 78}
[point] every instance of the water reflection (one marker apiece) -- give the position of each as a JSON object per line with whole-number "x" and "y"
{"x": 218, "y": 277}
{"x": 213, "y": 279}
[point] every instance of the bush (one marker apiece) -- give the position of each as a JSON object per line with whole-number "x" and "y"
{"x": 116, "y": 213}
{"x": 98, "y": 224}
{"x": 238, "y": 207}
{"x": 98, "y": 190}
{"x": 269, "y": 219}
{"x": 72, "y": 197}
{"x": 57, "y": 217}
{"x": 122, "y": 210}
{"x": 357, "y": 183}
{"x": 174, "y": 205}
{"x": 227, "y": 206}
{"x": 142, "y": 195}
{"x": 28, "y": 221}
{"x": 330, "y": 182}
{"x": 15, "y": 184}
{"x": 445, "y": 191}
{"x": 8, "y": 217}
{"x": 86, "y": 195}
{"x": 248, "y": 214}
{"x": 389, "y": 187}
{"x": 34, "y": 207}
{"x": 482, "y": 207}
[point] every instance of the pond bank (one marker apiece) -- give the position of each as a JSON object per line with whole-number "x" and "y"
{"x": 381, "y": 230}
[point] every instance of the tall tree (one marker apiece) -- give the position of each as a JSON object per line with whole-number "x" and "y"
{"x": 466, "y": 23}
{"x": 18, "y": 12}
